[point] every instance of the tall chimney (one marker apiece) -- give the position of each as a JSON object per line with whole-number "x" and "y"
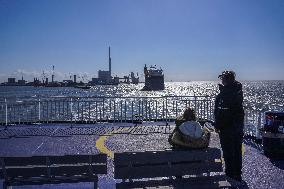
{"x": 75, "y": 79}
{"x": 109, "y": 62}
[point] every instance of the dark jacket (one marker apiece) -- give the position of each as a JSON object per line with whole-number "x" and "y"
{"x": 229, "y": 112}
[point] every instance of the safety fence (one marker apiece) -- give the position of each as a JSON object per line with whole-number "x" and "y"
{"x": 119, "y": 109}
{"x": 101, "y": 109}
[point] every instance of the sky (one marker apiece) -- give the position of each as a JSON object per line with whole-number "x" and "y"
{"x": 188, "y": 39}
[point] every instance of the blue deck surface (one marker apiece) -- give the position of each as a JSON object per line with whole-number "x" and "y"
{"x": 55, "y": 139}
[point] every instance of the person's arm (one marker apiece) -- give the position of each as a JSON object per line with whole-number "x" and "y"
{"x": 216, "y": 113}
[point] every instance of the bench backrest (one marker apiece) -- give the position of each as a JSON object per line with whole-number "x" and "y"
{"x": 36, "y": 166}
{"x": 166, "y": 163}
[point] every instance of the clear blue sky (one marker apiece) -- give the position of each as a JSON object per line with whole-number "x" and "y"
{"x": 189, "y": 39}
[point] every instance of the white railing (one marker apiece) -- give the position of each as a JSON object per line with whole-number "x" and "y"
{"x": 119, "y": 109}
{"x": 98, "y": 109}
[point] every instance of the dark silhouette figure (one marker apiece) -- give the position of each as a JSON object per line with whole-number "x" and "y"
{"x": 229, "y": 123}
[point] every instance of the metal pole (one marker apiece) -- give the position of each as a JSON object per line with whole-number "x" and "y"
{"x": 109, "y": 109}
{"x": 114, "y": 106}
{"x": 163, "y": 110}
{"x": 6, "y": 108}
{"x": 89, "y": 111}
{"x": 96, "y": 111}
{"x": 139, "y": 108}
{"x": 121, "y": 111}
{"x": 156, "y": 110}
{"x": 47, "y": 111}
{"x": 258, "y": 125}
{"x": 166, "y": 109}
{"x": 146, "y": 112}
{"x": 82, "y": 110}
{"x": 125, "y": 110}
{"x": 103, "y": 107}
{"x": 39, "y": 110}
{"x": 176, "y": 108}
{"x": 71, "y": 110}
{"x": 132, "y": 111}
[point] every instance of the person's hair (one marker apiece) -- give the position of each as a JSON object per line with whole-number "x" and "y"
{"x": 229, "y": 76}
{"x": 189, "y": 115}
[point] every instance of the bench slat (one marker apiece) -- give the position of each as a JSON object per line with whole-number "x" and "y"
{"x": 166, "y": 156}
{"x": 78, "y": 170}
{"x": 42, "y": 180}
{"x": 151, "y": 171}
{"x": 24, "y": 161}
{"x": 74, "y": 159}
{"x": 26, "y": 172}
{"x": 66, "y": 159}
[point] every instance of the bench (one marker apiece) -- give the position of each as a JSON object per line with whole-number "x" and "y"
{"x": 39, "y": 170}
{"x": 178, "y": 163}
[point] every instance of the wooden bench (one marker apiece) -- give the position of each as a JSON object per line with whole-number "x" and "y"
{"x": 201, "y": 163}
{"x": 39, "y": 170}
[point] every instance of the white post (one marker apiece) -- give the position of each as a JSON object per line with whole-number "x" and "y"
{"x": 6, "y": 108}
{"x": 259, "y": 121}
{"x": 39, "y": 110}
{"x": 71, "y": 104}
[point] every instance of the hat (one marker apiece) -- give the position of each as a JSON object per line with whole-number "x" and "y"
{"x": 227, "y": 75}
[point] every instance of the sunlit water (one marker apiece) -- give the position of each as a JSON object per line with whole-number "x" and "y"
{"x": 256, "y": 93}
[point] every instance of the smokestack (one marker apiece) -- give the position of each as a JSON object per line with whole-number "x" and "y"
{"x": 75, "y": 80}
{"x": 109, "y": 61}
{"x": 52, "y": 77}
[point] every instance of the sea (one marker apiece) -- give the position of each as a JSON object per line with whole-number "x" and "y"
{"x": 257, "y": 94}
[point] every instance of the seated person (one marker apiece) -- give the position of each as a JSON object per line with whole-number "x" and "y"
{"x": 189, "y": 133}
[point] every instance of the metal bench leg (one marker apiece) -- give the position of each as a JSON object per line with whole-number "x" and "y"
{"x": 5, "y": 186}
{"x": 96, "y": 182}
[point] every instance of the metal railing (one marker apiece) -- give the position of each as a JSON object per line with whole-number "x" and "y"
{"x": 100, "y": 109}
{"x": 119, "y": 109}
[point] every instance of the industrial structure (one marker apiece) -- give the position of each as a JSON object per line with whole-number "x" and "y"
{"x": 104, "y": 78}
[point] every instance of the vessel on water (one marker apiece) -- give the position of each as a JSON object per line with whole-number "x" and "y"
{"x": 154, "y": 79}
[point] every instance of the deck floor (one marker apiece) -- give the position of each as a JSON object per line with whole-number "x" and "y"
{"x": 50, "y": 139}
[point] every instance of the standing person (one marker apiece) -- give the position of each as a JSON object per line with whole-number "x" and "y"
{"x": 229, "y": 123}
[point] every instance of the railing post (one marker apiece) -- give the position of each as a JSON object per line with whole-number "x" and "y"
{"x": 125, "y": 111}
{"x": 114, "y": 109}
{"x": 132, "y": 111}
{"x": 39, "y": 110}
{"x": 89, "y": 106}
{"x": 259, "y": 121}
{"x": 156, "y": 110}
{"x": 6, "y": 109}
{"x": 166, "y": 109}
{"x": 103, "y": 107}
{"x": 71, "y": 110}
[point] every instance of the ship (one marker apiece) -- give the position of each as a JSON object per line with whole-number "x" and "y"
{"x": 154, "y": 79}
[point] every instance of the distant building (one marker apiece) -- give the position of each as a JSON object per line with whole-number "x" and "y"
{"x": 104, "y": 77}
{"x": 22, "y": 81}
{"x": 11, "y": 80}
